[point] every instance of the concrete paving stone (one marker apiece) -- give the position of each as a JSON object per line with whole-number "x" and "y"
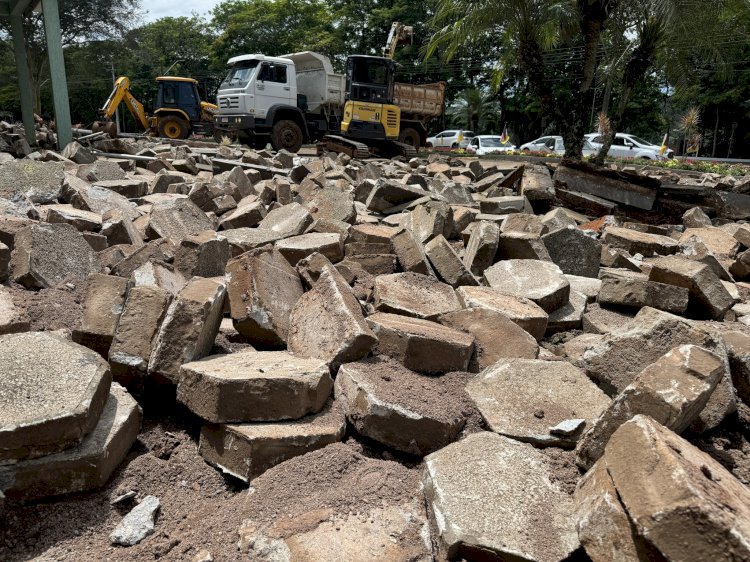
{"x": 86, "y": 466}
{"x": 386, "y": 194}
{"x": 12, "y": 319}
{"x": 78, "y": 153}
{"x": 537, "y": 185}
{"x": 482, "y": 247}
{"x": 51, "y": 394}
{"x": 422, "y": 345}
{"x": 672, "y": 391}
{"x": 263, "y": 289}
{"x": 130, "y": 188}
{"x": 492, "y": 495}
{"x": 410, "y": 254}
{"x": 557, "y": 218}
{"x": 541, "y": 282}
{"x": 327, "y": 322}
{"x": 102, "y": 306}
{"x": 333, "y": 204}
{"x": 247, "y": 215}
{"x": 524, "y": 312}
{"x": 627, "y": 350}
{"x": 46, "y": 254}
{"x": 429, "y": 220}
{"x": 601, "y": 320}
{"x": 708, "y": 297}
{"x": 574, "y": 252}
{"x": 686, "y": 504}
{"x": 695, "y": 249}
{"x": 135, "y": 333}
{"x": 83, "y": 196}
{"x": 296, "y": 248}
{"x": 570, "y": 315}
{"x": 254, "y": 386}
{"x": 247, "y": 450}
{"x": 100, "y": 170}
{"x": 40, "y": 182}
{"x": 243, "y": 240}
{"x": 203, "y": 255}
{"x": 447, "y": 264}
{"x": 504, "y": 205}
{"x": 118, "y": 227}
{"x": 82, "y": 220}
{"x": 176, "y": 220}
{"x": 412, "y": 294}
{"x": 399, "y": 408}
{"x": 524, "y": 398}
{"x": 625, "y": 288}
{"x": 589, "y": 286}
{"x": 521, "y": 246}
{"x": 525, "y": 222}
{"x": 637, "y": 242}
{"x": 496, "y": 336}
{"x": 189, "y": 328}
{"x": 286, "y": 221}
{"x": 372, "y": 234}
{"x": 720, "y": 243}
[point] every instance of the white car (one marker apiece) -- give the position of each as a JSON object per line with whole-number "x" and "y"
{"x": 488, "y": 144}
{"x": 629, "y": 146}
{"x": 454, "y": 138}
{"x": 554, "y": 144}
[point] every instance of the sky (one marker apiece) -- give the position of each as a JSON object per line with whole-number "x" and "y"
{"x": 176, "y": 8}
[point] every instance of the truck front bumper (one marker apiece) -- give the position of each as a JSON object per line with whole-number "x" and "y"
{"x": 234, "y": 122}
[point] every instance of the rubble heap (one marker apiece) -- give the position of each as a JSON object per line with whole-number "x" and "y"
{"x": 468, "y": 323}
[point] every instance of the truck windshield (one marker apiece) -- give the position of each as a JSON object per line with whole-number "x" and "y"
{"x": 373, "y": 72}
{"x": 239, "y": 75}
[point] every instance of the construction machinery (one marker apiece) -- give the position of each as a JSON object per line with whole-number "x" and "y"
{"x": 178, "y": 111}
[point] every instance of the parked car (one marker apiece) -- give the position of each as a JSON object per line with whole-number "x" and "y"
{"x": 488, "y": 144}
{"x": 454, "y": 138}
{"x": 554, "y": 144}
{"x": 630, "y": 146}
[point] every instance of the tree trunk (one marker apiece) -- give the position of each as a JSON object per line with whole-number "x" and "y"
{"x": 716, "y": 133}
{"x": 607, "y": 95}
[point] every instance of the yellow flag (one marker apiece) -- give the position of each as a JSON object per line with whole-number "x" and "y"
{"x": 663, "y": 149}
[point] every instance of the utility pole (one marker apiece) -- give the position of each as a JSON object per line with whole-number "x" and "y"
{"x": 117, "y": 111}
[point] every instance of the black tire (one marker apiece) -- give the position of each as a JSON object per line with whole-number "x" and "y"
{"x": 454, "y": 146}
{"x": 257, "y": 144}
{"x": 411, "y": 137}
{"x": 428, "y": 145}
{"x": 173, "y": 127}
{"x": 286, "y": 134}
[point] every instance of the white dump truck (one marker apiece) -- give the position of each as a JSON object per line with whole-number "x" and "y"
{"x": 297, "y": 98}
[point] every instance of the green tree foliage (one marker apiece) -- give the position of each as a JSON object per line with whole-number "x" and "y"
{"x": 476, "y": 109}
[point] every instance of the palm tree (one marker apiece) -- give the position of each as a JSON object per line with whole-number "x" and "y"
{"x": 475, "y": 109}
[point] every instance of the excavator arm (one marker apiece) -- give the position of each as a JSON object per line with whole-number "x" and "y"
{"x": 400, "y": 34}
{"x": 121, "y": 92}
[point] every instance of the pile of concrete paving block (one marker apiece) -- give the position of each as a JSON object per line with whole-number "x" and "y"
{"x": 387, "y": 300}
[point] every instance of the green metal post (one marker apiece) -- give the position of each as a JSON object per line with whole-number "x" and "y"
{"x": 57, "y": 72}
{"x": 24, "y": 78}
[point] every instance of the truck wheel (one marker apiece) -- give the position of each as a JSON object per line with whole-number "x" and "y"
{"x": 410, "y": 136}
{"x": 173, "y": 127}
{"x": 286, "y": 134}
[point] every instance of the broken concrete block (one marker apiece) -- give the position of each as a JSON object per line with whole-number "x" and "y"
{"x": 574, "y": 252}
{"x": 695, "y": 218}
{"x": 637, "y": 242}
{"x": 541, "y": 282}
{"x": 262, "y": 289}
{"x": 521, "y": 246}
{"x": 482, "y": 247}
{"x": 176, "y": 220}
{"x": 298, "y": 247}
{"x": 410, "y": 254}
{"x": 422, "y": 345}
{"x": 327, "y": 322}
{"x": 429, "y": 220}
{"x": 412, "y": 294}
{"x": 84, "y": 467}
{"x": 524, "y": 222}
{"x": 51, "y": 394}
{"x": 570, "y": 315}
{"x": 247, "y": 450}
{"x": 504, "y": 205}
{"x": 82, "y": 220}
{"x": 333, "y": 204}
{"x": 137, "y": 524}
{"x": 537, "y": 186}
{"x": 105, "y": 297}
{"x": 447, "y": 264}
{"x": 627, "y": 188}
{"x": 78, "y": 153}
{"x": 46, "y": 254}
{"x": 118, "y": 227}
{"x": 243, "y": 240}
{"x": 417, "y": 422}
{"x": 495, "y": 335}
{"x": 621, "y": 287}
{"x": 708, "y": 297}
{"x": 500, "y": 511}
{"x": 254, "y": 386}
{"x": 12, "y": 319}
{"x": 286, "y": 221}
{"x": 589, "y": 286}
{"x": 386, "y": 194}
{"x": 524, "y": 312}
{"x": 189, "y": 328}
{"x": 40, "y": 182}
{"x": 127, "y": 187}
{"x": 556, "y": 219}
{"x": 738, "y": 348}
{"x": 136, "y": 331}
{"x": 682, "y": 501}
{"x": 158, "y": 274}
{"x": 202, "y": 255}
{"x": 722, "y": 244}
{"x": 310, "y": 268}
{"x": 599, "y": 320}
{"x": 4, "y": 262}
{"x": 526, "y": 398}
{"x": 672, "y": 391}
{"x": 626, "y": 351}
{"x": 247, "y": 215}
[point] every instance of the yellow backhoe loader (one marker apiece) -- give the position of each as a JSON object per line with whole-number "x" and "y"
{"x": 178, "y": 112}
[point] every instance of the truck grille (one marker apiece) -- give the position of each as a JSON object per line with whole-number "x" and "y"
{"x": 229, "y": 102}
{"x": 391, "y": 118}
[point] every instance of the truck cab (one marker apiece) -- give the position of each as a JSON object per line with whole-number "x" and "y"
{"x": 256, "y": 91}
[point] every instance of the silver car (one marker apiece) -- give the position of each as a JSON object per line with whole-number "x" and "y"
{"x": 553, "y": 144}
{"x": 452, "y": 138}
{"x": 630, "y": 146}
